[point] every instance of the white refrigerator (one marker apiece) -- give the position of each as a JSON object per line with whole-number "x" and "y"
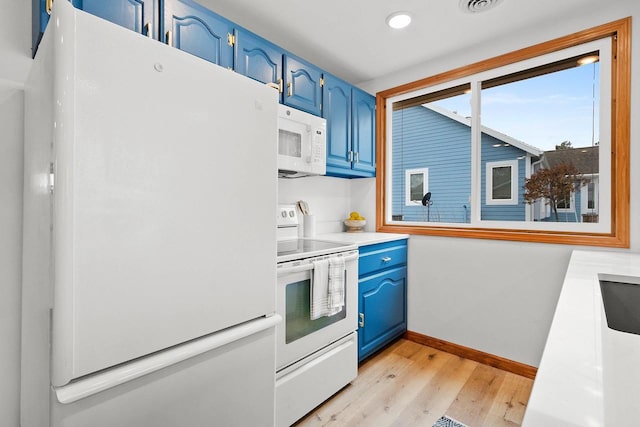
{"x": 149, "y": 235}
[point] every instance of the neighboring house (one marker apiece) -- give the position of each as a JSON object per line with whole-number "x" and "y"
{"x": 432, "y": 153}
{"x": 583, "y": 204}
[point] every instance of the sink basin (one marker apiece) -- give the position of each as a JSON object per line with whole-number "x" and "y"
{"x": 621, "y": 305}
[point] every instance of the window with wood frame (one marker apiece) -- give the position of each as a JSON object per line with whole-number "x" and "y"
{"x": 529, "y": 146}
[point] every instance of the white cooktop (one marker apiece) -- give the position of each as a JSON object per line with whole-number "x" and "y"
{"x": 293, "y": 249}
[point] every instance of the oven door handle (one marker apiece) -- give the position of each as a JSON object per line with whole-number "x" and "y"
{"x": 282, "y": 271}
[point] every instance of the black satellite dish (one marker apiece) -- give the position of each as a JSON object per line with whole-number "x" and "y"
{"x": 426, "y": 198}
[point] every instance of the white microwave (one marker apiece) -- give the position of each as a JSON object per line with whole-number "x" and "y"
{"x": 302, "y": 143}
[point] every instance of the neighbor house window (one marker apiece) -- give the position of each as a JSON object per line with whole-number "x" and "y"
{"x": 417, "y": 186}
{"x": 589, "y": 196}
{"x": 512, "y": 145}
{"x": 566, "y": 203}
{"x": 502, "y": 183}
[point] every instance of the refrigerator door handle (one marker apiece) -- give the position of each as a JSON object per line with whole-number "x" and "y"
{"x": 109, "y": 378}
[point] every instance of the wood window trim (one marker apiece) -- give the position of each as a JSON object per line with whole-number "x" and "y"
{"x": 619, "y": 236}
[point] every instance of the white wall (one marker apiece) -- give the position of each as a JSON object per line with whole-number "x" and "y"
{"x": 495, "y": 296}
{"x": 11, "y": 155}
{"x": 15, "y": 41}
{"x": 329, "y": 199}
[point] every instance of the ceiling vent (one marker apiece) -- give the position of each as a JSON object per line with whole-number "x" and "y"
{"x": 474, "y": 6}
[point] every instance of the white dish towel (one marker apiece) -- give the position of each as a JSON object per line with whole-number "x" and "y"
{"x": 336, "y": 284}
{"x": 327, "y": 287}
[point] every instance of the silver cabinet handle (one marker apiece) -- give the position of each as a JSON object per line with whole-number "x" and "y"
{"x": 350, "y": 154}
{"x": 357, "y": 160}
{"x": 361, "y": 323}
{"x": 386, "y": 259}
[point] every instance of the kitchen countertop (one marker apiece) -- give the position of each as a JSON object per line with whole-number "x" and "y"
{"x": 589, "y": 374}
{"x": 362, "y": 238}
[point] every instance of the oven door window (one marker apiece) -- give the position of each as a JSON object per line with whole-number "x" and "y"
{"x": 298, "y": 321}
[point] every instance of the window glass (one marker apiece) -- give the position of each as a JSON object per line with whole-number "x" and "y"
{"x": 547, "y": 114}
{"x": 501, "y": 183}
{"x": 591, "y": 201}
{"x": 514, "y": 144}
{"x": 429, "y": 137}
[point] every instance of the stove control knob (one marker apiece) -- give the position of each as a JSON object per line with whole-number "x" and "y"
{"x": 284, "y": 214}
{"x": 291, "y": 214}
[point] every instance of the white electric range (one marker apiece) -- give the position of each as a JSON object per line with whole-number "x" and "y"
{"x": 315, "y": 357}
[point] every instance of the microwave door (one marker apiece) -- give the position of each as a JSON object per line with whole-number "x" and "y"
{"x": 293, "y": 142}
{"x": 301, "y": 144}
{"x": 290, "y": 144}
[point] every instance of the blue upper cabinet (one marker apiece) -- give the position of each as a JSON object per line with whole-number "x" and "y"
{"x": 302, "y": 85}
{"x": 137, "y": 15}
{"x": 197, "y": 30}
{"x": 299, "y": 82}
{"x": 364, "y": 132}
{"x": 336, "y": 108}
{"x": 257, "y": 58}
{"x": 351, "y": 133}
{"x": 140, "y": 16}
{"x": 39, "y": 18}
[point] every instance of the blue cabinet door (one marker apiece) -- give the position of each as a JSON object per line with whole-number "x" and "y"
{"x": 353, "y": 156}
{"x": 364, "y": 133}
{"x": 257, "y": 58}
{"x": 382, "y": 308}
{"x": 336, "y": 108}
{"x": 302, "y": 87}
{"x": 197, "y": 30}
{"x": 137, "y": 15}
{"x": 39, "y": 20}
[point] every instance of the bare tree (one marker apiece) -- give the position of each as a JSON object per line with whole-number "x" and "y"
{"x": 553, "y": 184}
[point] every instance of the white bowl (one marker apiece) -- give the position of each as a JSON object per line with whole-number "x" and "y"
{"x": 354, "y": 225}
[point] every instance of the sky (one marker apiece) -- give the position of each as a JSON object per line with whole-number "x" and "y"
{"x": 542, "y": 111}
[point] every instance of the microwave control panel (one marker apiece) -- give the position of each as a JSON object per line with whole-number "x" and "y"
{"x": 318, "y": 153}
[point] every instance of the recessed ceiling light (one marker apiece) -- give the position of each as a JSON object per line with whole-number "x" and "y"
{"x": 588, "y": 60}
{"x": 398, "y": 20}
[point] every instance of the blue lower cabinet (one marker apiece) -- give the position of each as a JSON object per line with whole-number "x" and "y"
{"x": 198, "y": 31}
{"x": 382, "y": 295}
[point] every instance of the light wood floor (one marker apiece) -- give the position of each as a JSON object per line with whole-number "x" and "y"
{"x": 409, "y": 384}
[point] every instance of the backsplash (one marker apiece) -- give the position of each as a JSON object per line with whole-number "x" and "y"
{"x": 331, "y": 199}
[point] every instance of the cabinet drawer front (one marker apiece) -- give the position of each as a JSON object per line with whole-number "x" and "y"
{"x": 382, "y": 256}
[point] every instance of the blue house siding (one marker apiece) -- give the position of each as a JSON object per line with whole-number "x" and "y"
{"x": 423, "y": 138}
